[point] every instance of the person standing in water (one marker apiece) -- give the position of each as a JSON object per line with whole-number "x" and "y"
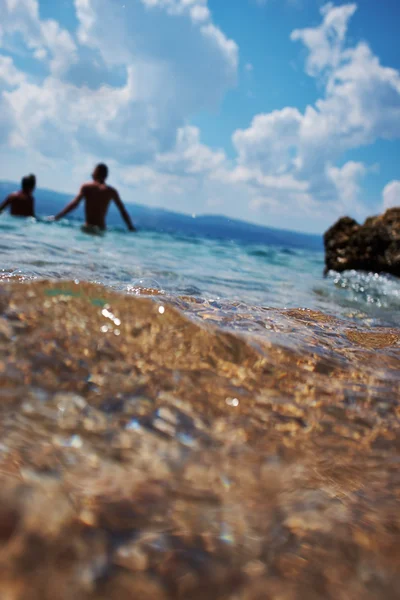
{"x": 22, "y": 203}
{"x": 97, "y": 195}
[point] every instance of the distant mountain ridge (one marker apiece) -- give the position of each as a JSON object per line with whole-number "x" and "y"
{"x": 159, "y": 219}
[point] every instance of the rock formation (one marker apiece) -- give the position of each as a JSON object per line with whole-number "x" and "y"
{"x": 373, "y": 246}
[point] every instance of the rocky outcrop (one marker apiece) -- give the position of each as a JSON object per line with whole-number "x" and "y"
{"x": 374, "y": 246}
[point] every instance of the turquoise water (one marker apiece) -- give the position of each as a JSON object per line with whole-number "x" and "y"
{"x": 230, "y": 276}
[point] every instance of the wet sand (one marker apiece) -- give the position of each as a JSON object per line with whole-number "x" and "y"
{"x": 148, "y": 452}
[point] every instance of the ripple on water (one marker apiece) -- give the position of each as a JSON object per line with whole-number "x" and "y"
{"x": 184, "y": 460}
{"x": 145, "y": 286}
{"x": 193, "y": 408}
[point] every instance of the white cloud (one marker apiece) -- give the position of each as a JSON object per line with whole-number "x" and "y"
{"x": 362, "y": 98}
{"x": 346, "y": 180}
{"x": 6, "y": 120}
{"x": 9, "y": 74}
{"x": 188, "y": 161}
{"x": 125, "y": 85}
{"x": 56, "y": 110}
{"x": 391, "y": 195}
{"x": 46, "y": 39}
{"x": 360, "y": 104}
{"x": 325, "y": 43}
{"x": 170, "y": 58}
{"x": 167, "y": 33}
{"x": 268, "y": 142}
{"x": 190, "y": 156}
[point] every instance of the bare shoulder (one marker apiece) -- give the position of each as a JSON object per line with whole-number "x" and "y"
{"x": 87, "y": 186}
{"x": 113, "y": 192}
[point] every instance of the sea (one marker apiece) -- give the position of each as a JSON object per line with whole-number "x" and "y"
{"x": 224, "y": 268}
{"x": 194, "y": 411}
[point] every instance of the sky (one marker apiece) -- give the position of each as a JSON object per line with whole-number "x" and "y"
{"x": 279, "y": 112}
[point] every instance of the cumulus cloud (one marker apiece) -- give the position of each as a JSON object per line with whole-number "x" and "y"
{"x": 190, "y": 156}
{"x": 362, "y": 97}
{"x": 168, "y": 57}
{"x": 124, "y": 86}
{"x": 361, "y": 103}
{"x": 391, "y": 195}
{"x": 182, "y": 62}
{"x": 346, "y": 180}
{"x": 187, "y": 163}
{"x": 325, "y": 43}
{"x": 287, "y": 160}
{"x": 268, "y": 143}
{"x": 9, "y": 74}
{"x": 45, "y": 39}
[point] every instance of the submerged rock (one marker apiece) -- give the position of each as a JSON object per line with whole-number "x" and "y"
{"x": 146, "y": 455}
{"x": 373, "y": 246}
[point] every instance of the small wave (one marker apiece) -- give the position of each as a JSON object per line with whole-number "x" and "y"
{"x": 7, "y": 227}
{"x": 377, "y": 295}
{"x": 144, "y": 286}
{"x": 288, "y": 251}
{"x": 266, "y": 253}
{"x": 372, "y": 288}
{"x": 191, "y": 290}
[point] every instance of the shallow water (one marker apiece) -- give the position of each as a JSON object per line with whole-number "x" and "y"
{"x": 249, "y": 451}
{"x": 228, "y": 272}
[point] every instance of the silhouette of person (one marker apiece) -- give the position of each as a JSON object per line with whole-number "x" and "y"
{"x": 97, "y": 195}
{"x": 22, "y": 203}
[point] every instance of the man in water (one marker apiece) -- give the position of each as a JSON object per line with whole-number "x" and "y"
{"x": 22, "y": 203}
{"x": 97, "y": 195}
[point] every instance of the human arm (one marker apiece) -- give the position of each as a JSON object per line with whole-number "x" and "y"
{"x": 72, "y": 205}
{"x": 5, "y": 203}
{"x": 123, "y": 211}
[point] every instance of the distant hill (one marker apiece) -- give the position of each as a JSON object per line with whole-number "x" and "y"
{"x": 158, "y": 219}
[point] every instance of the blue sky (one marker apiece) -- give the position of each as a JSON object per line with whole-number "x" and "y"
{"x": 281, "y": 112}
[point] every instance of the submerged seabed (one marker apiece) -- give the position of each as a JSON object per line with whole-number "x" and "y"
{"x": 148, "y": 455}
